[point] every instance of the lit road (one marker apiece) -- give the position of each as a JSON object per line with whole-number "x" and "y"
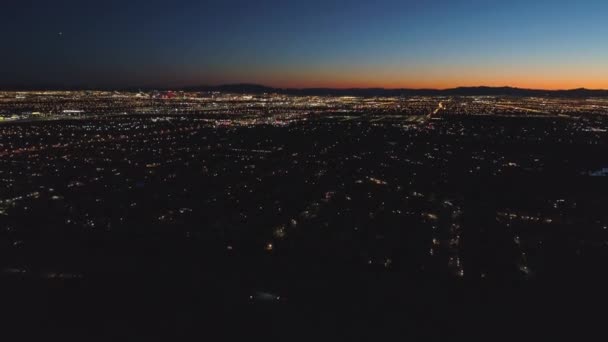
{"x": 439, "y": 108}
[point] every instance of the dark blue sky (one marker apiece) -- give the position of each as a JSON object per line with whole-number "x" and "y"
{"x": 390, "y": 43}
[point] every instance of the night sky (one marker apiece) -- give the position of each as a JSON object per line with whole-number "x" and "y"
{"x": 381, "y": 43}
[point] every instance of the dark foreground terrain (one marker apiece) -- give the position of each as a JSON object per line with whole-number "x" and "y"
{"x": 334, "y": 227}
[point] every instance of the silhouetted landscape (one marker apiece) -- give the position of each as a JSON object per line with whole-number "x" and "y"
{"x": 258, "y": 89}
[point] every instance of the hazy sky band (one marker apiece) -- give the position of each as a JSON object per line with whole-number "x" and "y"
{"x": 386, "y": 43}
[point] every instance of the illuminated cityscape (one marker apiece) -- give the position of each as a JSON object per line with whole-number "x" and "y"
{"x": 319, "y": 170}
{"x": 279, "y": 191}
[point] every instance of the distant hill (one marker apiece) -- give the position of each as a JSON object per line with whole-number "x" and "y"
{"x": 460, "y": 91}
{"x": 244, "y": 88}
{"x": 247, "y": 88}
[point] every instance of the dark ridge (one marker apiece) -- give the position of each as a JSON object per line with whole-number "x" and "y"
{"x": 369, "y": 92}
{"x": 248, "y": 88}
{"x": 234, "y": 88}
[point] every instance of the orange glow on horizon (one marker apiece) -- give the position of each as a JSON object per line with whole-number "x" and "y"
{"x": 544, "y": 76}
{"x": 529, "y": 82}
{"x": 600, "y": 85}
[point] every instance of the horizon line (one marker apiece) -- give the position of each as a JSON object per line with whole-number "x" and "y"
{"x": 49, "y": 87}
{"x": 396, "y": 88}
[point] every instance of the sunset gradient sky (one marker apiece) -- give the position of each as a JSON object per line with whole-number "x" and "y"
{"x": 344, "y": 43}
